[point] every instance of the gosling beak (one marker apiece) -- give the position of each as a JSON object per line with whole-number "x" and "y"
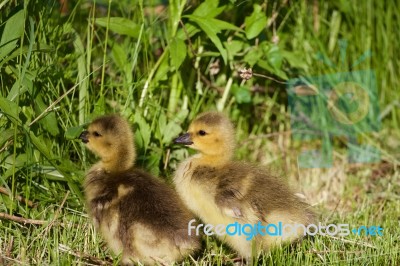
{"x": 185, "y": 139}
{"x": 84, "y": 136}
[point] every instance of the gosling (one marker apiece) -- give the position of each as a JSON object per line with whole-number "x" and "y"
{"x": 136, "y": 213}
{"x": 222, "y": 191}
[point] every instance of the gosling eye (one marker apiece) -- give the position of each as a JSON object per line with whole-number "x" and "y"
{"x": 96, "y": 134}
{"x": 202, "y": 133}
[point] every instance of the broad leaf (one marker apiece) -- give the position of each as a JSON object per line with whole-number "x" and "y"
{"x": 49, "y": 121}
{"x": 171, "y": 131}
{"x": 74, "y": 132}
{"x": 252, "y": 56}
{"x": 233, "y": 48}
{"x": 120, "y": 25}
{"x": 209, "y": 9}
{"x": 255, "y": 23}
{"x": 9, "y": 108}
{"x": 274, "y": 57}
{"x": 143, "y": 129}
{"x": 241, "y": 93}
{"x": 208, "y": 27}
{"x": 177, "y": 52}
{"x": 6, "y": 135}
{"x": 175, "y": 10}
{"x": 119, "y": 55}
{"x": 13, "y": 31}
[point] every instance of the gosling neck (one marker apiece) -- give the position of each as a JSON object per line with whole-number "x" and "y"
{"x": 120, "y": 162}
{"x": 215, "y": 160}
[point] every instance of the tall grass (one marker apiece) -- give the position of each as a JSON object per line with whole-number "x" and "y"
{"x": 161, "y": 64}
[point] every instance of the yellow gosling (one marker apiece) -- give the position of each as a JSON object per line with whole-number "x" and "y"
{"x": 137, "y": 214}
{"x": 222, "y": 191}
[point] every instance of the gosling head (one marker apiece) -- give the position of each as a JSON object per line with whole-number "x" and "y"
{"x": 213, "y": 135}
{"x": 110, "y": 137}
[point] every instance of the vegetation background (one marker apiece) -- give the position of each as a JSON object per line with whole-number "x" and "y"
{"x": 160, "y": 63}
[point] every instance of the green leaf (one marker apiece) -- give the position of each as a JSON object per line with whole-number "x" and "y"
{"x": 181, "y": 116}
{"x": 21, "y": 86}
{"x": 295, "y": 59}
{"x": 74, "y": 174}
{"x": 41, "y": 47}
{"x": 138, "y": 140}
{"x": 253, "y": 56}
{"x": 241, "y": 93}
{"x": 211, "y": 31}
{"x": 49, "y": 121}
{"x": 222, "y": 25}
{"x": 171, "y": 131}
{"x": 265, "y": 65}
{"x": 120, "y": 25}
{"x": 274, "y": 57}
{"x": 216, "y": 24}
{"x": 40, "y": 145}
{"x": 334, "y": 29}
{"x": 6, "y": 200}
{"x": 119, "y": 55}
{"x": 9, "y": 108}
{"x": 100, "y": 106}
{"x": 74, "y": 132}
{"x": 190, "y": 30}
{"x": 13, "y": 31}
{"x": 19, "y": 162}
{"x": 163, "y": 69}
{"x": 255, "y": 23}
{"x": 162, "y": 123}
{"x": 144, "y": 129}
{"x": 153, "y": 162}
{"x": 274, "y": 60}
{"x": 175, "y": 10}
{"x": 233, "y": 47}
{"x": 177, "y": 52}
{"x": 6, "y": 135}
{"x": 43, "y": 149}
{"x": 209, "y": 9}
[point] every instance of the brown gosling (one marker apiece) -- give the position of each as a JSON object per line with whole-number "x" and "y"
{"x": 136, "y": 213}
{"x": 222, "y": 191}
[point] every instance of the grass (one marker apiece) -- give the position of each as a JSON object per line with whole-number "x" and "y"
{"x": 59, "y": 71}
